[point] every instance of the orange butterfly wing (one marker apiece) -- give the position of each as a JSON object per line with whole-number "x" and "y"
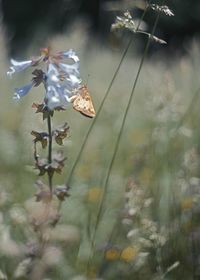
{"x": 82, "y": 102}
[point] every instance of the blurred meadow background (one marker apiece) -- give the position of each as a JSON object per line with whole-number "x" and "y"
{"x": 148, "y": 223}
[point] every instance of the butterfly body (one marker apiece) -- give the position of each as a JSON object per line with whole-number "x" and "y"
{"x": 82, "y": 102}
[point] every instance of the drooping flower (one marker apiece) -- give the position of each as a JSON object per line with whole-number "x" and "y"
{"x": 22, "y": 91}
{"x": 17, "y": 66}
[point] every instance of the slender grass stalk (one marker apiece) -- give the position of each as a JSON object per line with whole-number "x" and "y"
{"x": 103, "y": 101}
{"x": 49, "y": 150}
{"x": 118, "y": 141}
{"x": 98, "y": 112}
{"x": 124, "y": 118}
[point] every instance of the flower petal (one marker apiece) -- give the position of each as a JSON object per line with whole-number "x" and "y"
{"x": 74, "y": 80}
{"x": 52, "y": 97}
{"x": 71, "y": 83}
{"x": 62, "y": 80}
{"x": 52, "y": 74}
{"x": 17, "y": 66}
{"x": 20, "y": 92}
{"x": 69, "y": 68}
{"x": 57, "y": 97}
{"x": 69, "y": 54}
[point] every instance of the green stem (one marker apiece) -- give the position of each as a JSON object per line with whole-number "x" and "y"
{"x": 49, "y": 150}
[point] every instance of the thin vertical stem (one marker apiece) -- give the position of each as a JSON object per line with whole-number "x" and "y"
{"x": 49, "y": 150}
{"x": 119, "y": 138}
{"x": 103, "y": 101}
{"x": 98, "y": 112}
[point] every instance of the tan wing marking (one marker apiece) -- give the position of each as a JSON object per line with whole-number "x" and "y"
{"x": 82, "y": 102}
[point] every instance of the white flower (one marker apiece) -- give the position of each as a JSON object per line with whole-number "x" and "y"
{"x": 69, "y": 54}
{"x": 17, "y": 66}
{"x": 56, "y": 97}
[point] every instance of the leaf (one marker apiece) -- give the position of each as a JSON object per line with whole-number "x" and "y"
{"x": 42, "y": 108}
{"x": 41, "y": 137}
{"x": 39, "y": 77}
{"x": 61, "y": 133}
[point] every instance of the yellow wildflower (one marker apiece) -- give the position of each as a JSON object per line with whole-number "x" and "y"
{"x": 129, "y": 254}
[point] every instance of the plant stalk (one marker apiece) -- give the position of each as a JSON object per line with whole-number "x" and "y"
{"x": 118, "y": 140}
{"x": 103, "y": 101}
{"x": 50, "y": 151}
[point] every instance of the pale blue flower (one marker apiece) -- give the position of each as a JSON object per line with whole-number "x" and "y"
{"x": 18, "y": 66}
{"x": 57, "y": 96}
{"x": 69, "y": 68}
{"x": 61, "y": 79}
{"x": 22, "y": 91}
{"x": 69, "y": 54}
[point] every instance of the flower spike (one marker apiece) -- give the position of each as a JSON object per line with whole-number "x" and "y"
{"x": 61, "y": 79}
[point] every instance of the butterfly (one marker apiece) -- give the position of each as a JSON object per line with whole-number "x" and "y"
{"x": 82, "y": 102}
